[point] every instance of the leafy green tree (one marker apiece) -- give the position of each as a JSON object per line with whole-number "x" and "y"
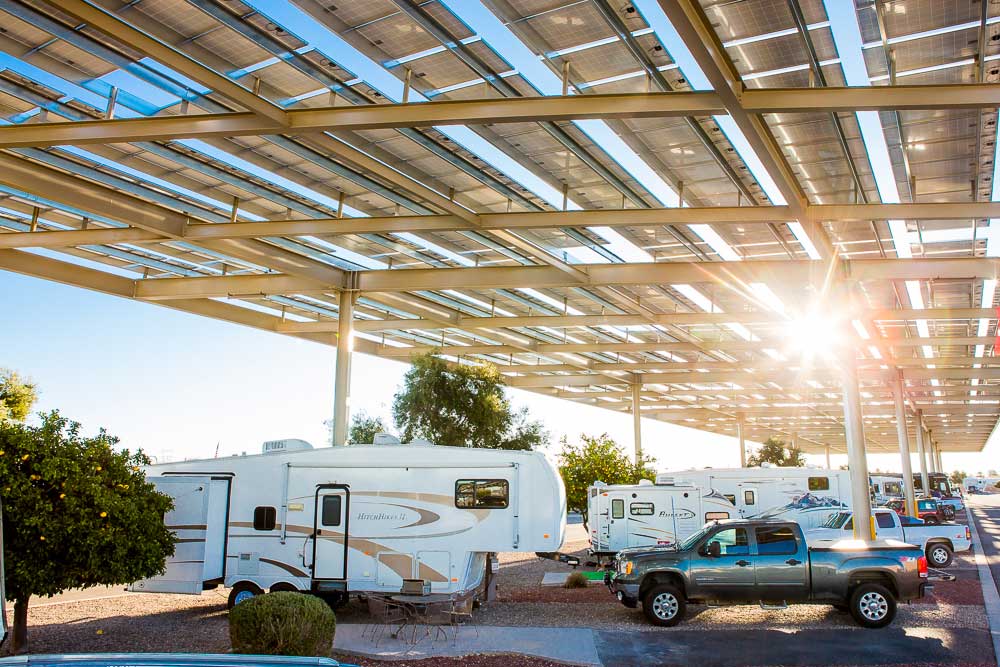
{"x": 364, "y": 428}
{"x": 462, "y": 405}
{"x": 597, "y": 458}
{"x": 957, "y": 476}
{"x": 775, "y": 451}
{"x": 76, "y": 513}
{"x": 16, "y": 396}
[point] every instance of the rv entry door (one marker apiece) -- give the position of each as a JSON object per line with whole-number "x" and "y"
{"x": 617, "y": 521}
{"x": 330, "y": 533}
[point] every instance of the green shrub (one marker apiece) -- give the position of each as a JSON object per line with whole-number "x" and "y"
{"x": 282, "y": 623}
{"x": 576, "y": 580}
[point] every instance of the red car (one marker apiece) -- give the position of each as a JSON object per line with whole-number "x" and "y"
{"x": 928, "y": 510}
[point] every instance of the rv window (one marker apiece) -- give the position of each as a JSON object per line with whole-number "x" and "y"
{"x": 331, "y": 510}
{"x": 482, "y": 493}
{"x": 749, "y": 498}
{"x": 617, "y": 509}
{"x": 641, "y": 509}
{"x": 893, "y": 489}
{"x": 731, "y": 498}
{"x": 778, "y": 541}
{"x": 716, "y": 516}
{"x": 264, "y": 518}
{"x": 819, "y": 483}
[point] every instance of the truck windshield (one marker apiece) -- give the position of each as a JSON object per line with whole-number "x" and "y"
{"x": 836, "y": 520}
{"x": 693, "y": 539}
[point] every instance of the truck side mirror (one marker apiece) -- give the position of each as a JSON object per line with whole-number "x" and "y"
{"x": 714, "y": 549}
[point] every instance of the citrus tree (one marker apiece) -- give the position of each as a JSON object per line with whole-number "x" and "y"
{"x": 463, "y": 405}
{"x": 76, "y": 513}
{"x": 597, "y": 458}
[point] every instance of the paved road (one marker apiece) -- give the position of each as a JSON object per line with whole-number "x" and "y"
{"x": 986, "y": 512}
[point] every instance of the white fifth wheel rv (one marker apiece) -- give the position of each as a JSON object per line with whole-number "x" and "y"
{"x": 341, "y": 520}
{"x": 807, "y": 496}
{"x": 647, "y": 514}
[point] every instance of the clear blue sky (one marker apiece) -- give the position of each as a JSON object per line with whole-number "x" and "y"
{"x": 178, "y": 384}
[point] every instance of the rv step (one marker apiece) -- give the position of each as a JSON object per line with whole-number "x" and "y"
{"x": 331, "y": 586}
{"x": 774, "y": 605}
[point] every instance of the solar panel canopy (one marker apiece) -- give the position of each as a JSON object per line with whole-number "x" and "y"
{"x": 701, "y": 210}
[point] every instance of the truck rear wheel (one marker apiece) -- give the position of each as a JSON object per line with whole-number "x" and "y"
{"x": 939, "y": 555}
{"x": 872, "y": 606}
{"x": 664, "y": 605}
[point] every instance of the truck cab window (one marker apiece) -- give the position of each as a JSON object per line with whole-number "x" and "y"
{"x": 482, "y": 493}
{"x": 264, "y": 518}
{"x": 617, "y": 509}
{"x": 777, "y": 541}
{"x": 331, "y": 510}
{"x": 884, "y": 520}
{"x": 733, "y": 541}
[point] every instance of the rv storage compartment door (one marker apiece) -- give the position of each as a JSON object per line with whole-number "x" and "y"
{"x": 199, "y": 522}
{"x": 331, "y": 525}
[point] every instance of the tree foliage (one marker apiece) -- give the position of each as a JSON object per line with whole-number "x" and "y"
{"x": 597, "y": 458}
{"x": 957, "y": 477}
{"x": 16, "y": 396}
{"x": 76, "y": 513}
{"x": 776, "y": 452}
{"x": 461, "y": 405}
{"x": 364, "y": 428}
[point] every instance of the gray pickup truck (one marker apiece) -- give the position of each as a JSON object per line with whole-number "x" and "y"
{"x": 740, "y": 562}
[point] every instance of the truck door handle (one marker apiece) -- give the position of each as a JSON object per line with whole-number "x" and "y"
{"x": 742, "y": 563}
{"x": 792, "y": 561}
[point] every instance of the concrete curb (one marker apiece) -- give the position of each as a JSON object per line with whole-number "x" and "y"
{"x": 991, "y": 597}
{"x": 574, "y": 646}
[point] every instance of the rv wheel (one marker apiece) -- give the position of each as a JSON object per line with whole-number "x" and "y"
{"x": 242, "y": 592}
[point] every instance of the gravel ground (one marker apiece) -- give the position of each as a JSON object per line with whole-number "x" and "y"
{"x": 494, "y": 660}
{"x": 171, "y": 623}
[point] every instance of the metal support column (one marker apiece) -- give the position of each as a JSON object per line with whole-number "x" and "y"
{"x": 857, "y": 460}
{"x": 931, "y": 454}
{"x": 903, "y": 435}
{"x": 342, "y": 386}
{"x": 940, "y": 460}
{"x": 828, "y": 457}
{"x": 637, "y": 420}
{"x": 743, "y": 444}
{"x": 921, "y": 454}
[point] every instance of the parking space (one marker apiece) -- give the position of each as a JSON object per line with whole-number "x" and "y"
{"x": 949, "y": 628}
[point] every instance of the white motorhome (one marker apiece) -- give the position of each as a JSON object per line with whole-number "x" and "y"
{"x": 979, "y": 484}
{"x": 807, "y": 496}
{"x": 341, "y": 520}
{"x": 886, "y": 486}
{"x": 648, "y": 514}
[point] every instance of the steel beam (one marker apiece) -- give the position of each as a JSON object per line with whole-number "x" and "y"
{"x": 342, "y": 383}
{"x": 478, "y": 111}
{"x": 637, "y": 420}
{"x": 922, "y": 453}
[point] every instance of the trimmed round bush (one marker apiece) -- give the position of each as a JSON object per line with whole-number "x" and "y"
{"x": 576, "y": 580}
{"x": 282, "y": 623}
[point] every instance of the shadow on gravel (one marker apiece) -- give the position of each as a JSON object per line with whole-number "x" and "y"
{"x": 812, "y": 647}
{"x": 196, "y": 630}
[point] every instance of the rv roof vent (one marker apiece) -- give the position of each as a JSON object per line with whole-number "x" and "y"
{"x": 420, "y": 442}
{"x": 286, "y": 445}
{"x": 665, "y": 480}
{"x": 645, "y": 482}
{"x": 599, "y": 483}
{"x": 385, "y": 439}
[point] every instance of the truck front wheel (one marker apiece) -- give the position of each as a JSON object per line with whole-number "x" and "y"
{"x": 939, "y": 555}
{"x": 872, "y": 606}
{"x": 664, "y": 605}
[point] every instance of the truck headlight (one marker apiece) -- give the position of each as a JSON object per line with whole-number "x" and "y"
{"x": 626, "y": 567}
